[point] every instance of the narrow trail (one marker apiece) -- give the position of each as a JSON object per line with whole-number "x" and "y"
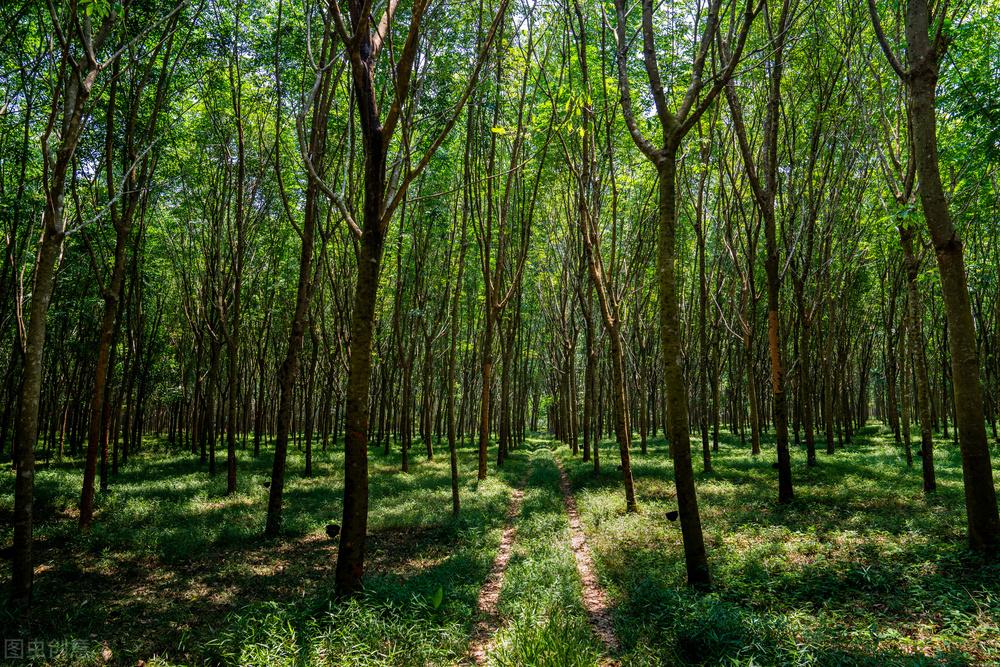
{"x": 595, "y": 601}
{"x": 489, "y": 594}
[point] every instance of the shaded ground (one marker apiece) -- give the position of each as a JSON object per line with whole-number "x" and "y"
{"x": 861, "y": 569}
{"x": 174, "y": 569}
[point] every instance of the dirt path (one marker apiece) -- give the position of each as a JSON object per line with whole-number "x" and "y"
{"x": 489, "y": 594}
{"x": 594, "y": 599}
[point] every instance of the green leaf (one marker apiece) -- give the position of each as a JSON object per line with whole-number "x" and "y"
{"x": 438, "y": 597}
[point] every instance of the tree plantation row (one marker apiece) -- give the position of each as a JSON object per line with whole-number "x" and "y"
{"x": 240, "y": 228}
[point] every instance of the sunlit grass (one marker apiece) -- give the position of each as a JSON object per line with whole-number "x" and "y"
{"x": 176, "y": 572}
{"x": 861, "y": 568}
{"x": 540, "y": 600}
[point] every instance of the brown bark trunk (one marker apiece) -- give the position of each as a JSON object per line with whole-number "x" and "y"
{"x": 980, "y": 494}
{"x": 590, "y": 369}
{"x": 916, "y": 342}
{"x": 288, "y": 371}
{"x": 780, "y": 399}
{"x": 484, "y": 403}
{"x": 904, "y": 353}
{"x": 77, "y": 86}
{"x": 752, "y": 397}
{"x": 96, "y": 431}
{"x": 354, "y": 530}
{"x": 806, "y": 385}
{"x": 26, "y": 426}
{"x": 350, "y": 560}
{"x": 452, "y": 358}
{"x": 673, "y": 376}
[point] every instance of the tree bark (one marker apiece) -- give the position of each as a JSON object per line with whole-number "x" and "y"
{"x": 76, "y": 86}
{"x": 919, "y": 362}
{"x": 673, "y": 376}
{"x": 980, "y": 494}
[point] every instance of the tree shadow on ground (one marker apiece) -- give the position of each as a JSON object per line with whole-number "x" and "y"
{"x": 861, "y": 568}
{"x": 170, "y": 558}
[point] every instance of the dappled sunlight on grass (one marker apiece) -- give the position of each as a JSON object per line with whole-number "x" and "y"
{"x": 546, "y": 624}
{"x": 860, "y": 568}
{"x": 174, "y": 568}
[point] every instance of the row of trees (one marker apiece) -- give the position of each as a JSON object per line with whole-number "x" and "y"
{"x": 336, "y": 224}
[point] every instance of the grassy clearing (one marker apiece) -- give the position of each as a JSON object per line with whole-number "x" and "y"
{"x": 860, "y": 569}
{"x": 175, "y": 570}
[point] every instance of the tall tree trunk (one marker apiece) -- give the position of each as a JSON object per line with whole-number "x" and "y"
{"x": 350, "y": 560}
{"x": 288, "y": 371}
{"x": 354, "y": 530}
{"x": 752, "y": 396}
{"x": 75, "y": 86}
{"x": 456, "y": 302}
{"x": 980, "y": 494}
{"x": 484, "y": 402}
{"x": 806, "y": 384}
{"x": 673, "y": 377}
{"x": 916, "y": 342}
{"x": 905, "y": 398}
{"x": 589, "y": 380}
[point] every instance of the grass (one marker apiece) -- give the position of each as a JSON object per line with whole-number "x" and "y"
{"x": 860, "y": 569}
{"x": 175, "y": 570}
{"x": 540, "y": 599}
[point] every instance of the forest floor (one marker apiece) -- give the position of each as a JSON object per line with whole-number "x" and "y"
{"x": 860, "y": 569}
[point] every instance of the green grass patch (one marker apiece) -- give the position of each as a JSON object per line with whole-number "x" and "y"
{"x": 546, "y": 624}
{"x": 860, "y": 569}
{"x": 175, "y": 572}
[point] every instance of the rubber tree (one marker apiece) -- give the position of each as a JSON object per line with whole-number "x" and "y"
{"x": 313, "y": 150}
{"x": 763, "y": 178}
{"x": 79, "y": 36}
{"x": 122, "y": 208}
{"x": 585, "y": 170}
{"x": 926, "y": 45}
{"x": 363, "y": 44}
{"x": 674, "y": 125}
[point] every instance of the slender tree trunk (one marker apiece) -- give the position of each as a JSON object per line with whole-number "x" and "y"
{"x": 26, "y": 426}
{"x": 703, "y": 409}
{"x": 76, "y": 89}
{"x": 589, "y": 382}
{"x": 456, "y": 303}
{"x": 916, "y": 343}
{"x": 980, "y": 494}
{"x": 98, "y": 423}
{"x": 484, "y": 403}
{"x": 806, "y": 386}
{"x": 673, "y": 376}
{"x": 752, "y": 397}
{"x": 907, "y": 384}
{"x": 289, "y": 369}
{"x": 350, "y": 561}
{"x": 354, "y": 530}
